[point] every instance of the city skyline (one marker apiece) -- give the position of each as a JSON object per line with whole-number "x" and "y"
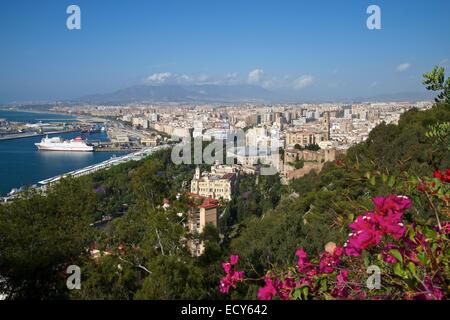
{"x": 303, "y": 51}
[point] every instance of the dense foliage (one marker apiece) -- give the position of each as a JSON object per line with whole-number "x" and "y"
{"x": 409, "y": 260}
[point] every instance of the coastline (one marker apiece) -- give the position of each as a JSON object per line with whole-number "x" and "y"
{"x": 90, "y": 169}
{"x": 22, "y": 165}
{"x": 39, "y": 112}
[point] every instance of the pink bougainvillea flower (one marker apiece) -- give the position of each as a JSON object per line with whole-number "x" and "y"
{"x": 387, "y": 257}
{"x": 232, "y": 276}
{"x": 224, "y": 286}
{"x": 303, "y": 263}
{"x": 285, "y": 288}
{"x": 234, "y": 259}
{"x": 431, "y": 292}
{"x": 230, "y": 281}
{"x": 445, "y": 227}
{"x": 369, "y": 228}
{"x": 364, "y": 222}
{"x": 342, "y": 277}
{"x": 304, "y": 281}
{"x": 301, "y": 254}
{"x": 328, "y": 262}
{"x": 361, "y": 240}
{"x": 351, "y": 251}
{"x": 268, "y": 291}
{"x": 226, "y": 266}
{"x": 382, "y": 226}
{"x": 341, "y": 290}
{"x": 391, "y": 225}
{"x": 237, "y": 276}
{"x": 391, "y": 204}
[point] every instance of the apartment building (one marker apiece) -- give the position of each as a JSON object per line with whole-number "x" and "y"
{"x": 198, "y": 217}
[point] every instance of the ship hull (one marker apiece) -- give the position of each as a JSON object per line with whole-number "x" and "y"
{"x": 57, "y": 144}
{"x": 68, "y": 149}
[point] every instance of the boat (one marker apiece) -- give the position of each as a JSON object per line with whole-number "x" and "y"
{"x": 96, "y": 128}
{"x": 13, "y": 192}
{"x": 58, "y": 144}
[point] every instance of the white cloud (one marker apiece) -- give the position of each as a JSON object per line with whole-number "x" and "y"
{"x": 303, "y": 81}
{"x": 403, "y": 67}
{"x": 231, "y": 79}
{"x": 183, "y": 78}
{"x": 158, "y": 77}
{"x": 373, "y": 84}
{"x": 192, "y": 79}
{"x": 175, "y": 78}
{"x": 444, "y": 61}
{"x": 255, "y": 76}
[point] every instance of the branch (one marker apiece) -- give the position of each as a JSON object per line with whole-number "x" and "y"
{"x": 135, "y": 265}
{"x": 159, "y": 241}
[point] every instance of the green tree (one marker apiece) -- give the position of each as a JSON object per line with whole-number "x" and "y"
{"x": 435, "y": 81}
{"x": 40, "y": 236}
{"x": 172, "y": 277}
{"x": 107, "y": 278}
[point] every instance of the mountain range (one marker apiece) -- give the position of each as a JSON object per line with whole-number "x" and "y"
{"x": 216, "y": 93}
{"x": 184, "y": 93}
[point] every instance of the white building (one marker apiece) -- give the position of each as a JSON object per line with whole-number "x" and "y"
{"x": 214, "y": 185}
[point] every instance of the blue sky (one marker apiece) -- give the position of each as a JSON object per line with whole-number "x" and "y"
{"x": 312, "y": 49}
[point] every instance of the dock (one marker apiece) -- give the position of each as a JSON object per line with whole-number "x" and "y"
{"x": 30, "y": 135}
{"x": 136, "y": 156}
{"x": 45, "y": 184}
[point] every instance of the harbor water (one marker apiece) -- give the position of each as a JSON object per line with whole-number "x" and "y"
{"x": 21, "y": 164}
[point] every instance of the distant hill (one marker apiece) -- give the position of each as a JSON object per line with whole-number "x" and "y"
{"x": 183, "y": 93}
{"x": 400, "y": 96}
{"x": 215, "y": 93}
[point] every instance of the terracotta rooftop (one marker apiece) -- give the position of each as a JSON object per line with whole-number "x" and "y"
{"x": 209, "y": 203}
{"x": 228, "y": 176}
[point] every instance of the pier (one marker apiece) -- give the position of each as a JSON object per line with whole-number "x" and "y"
{"x": 135, "y": 156}
{"x": 30, "y": 135}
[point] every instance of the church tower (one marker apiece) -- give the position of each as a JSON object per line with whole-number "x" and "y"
{"x": 196, "y": 181}
{"x": 197, "y": 173}
{"x": 326, "y": 124}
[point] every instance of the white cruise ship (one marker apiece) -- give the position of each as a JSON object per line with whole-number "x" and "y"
{"x": 58, "y": 144}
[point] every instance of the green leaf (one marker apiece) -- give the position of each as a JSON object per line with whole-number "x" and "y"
{"x": 397, "y": 255}
{"x": 297, "y": 294}
{"x": 323, "y": 284}
{"x": 351, "y": 217}
{"x": 391, "y": 181}
{"x": 305, "y": 291}
{"x": 412, "y": 268}
{"x": 398, "y": 270}
{"x": 429, "y": 233}
{"x": 366, "y": 261}
{"x": 422, "y": 257}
